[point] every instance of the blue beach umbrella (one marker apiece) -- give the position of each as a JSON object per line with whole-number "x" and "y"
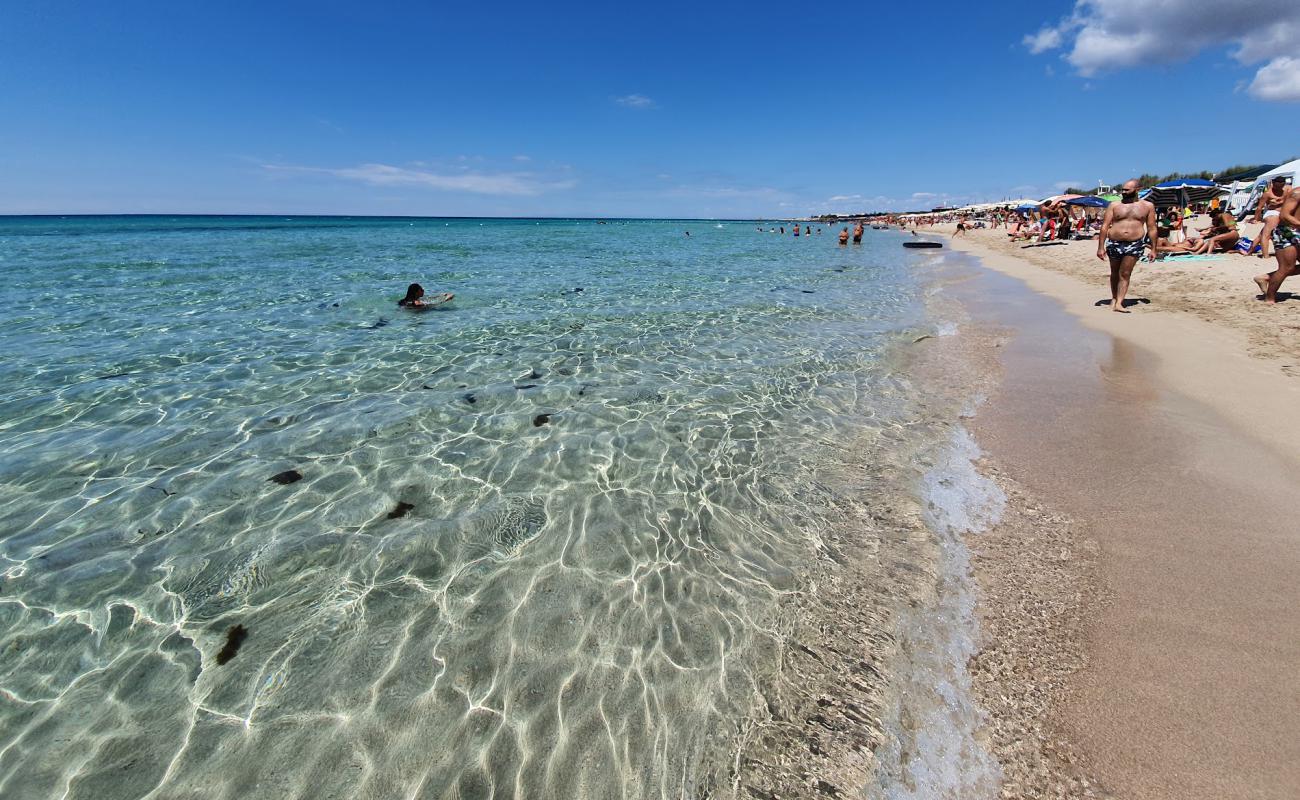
{"x": 1089, "y": 201}
{"x": 1183, "y": 191}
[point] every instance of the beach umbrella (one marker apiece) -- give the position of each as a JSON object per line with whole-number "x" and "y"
{"x": 1061, "y": 198}
{"x": 1089, "y": 201}
{"x": 1183, "y": 191}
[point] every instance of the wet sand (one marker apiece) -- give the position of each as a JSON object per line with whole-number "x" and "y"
{"x": 1139, "y": 601}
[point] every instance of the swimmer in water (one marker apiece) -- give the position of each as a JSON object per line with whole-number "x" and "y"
{"x": 414, "y": 297}
{"x": 415, "y": 301}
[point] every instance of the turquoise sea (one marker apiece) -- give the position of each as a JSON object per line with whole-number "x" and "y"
{"x": 540, "y": 542}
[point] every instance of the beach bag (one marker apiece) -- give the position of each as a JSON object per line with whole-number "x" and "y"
{"x": 1244, "y": 245}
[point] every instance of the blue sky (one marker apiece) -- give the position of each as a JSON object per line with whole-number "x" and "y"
{"x": 674, "y": 109}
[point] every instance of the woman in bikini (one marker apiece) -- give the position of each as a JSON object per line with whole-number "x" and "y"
{"x": 1223, "y": 235}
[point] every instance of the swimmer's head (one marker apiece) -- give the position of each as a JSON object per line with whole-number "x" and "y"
{"x": 413, "y": 292}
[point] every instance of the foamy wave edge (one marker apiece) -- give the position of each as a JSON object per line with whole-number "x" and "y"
{"x": 934, "y": 746}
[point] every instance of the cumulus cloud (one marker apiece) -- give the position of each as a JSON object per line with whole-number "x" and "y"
{"x": 1115, "y": 34}
{"x": 1278, "y": 80}
{"x": 505, "y": 183}
{"x": 1044, "y": 40}
{"x": 635, "y": 101}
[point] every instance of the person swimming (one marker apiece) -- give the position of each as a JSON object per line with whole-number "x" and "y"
{"x": 414, "y": 297}
{"x": 415, "y": 301}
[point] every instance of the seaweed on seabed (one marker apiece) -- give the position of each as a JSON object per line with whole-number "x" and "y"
{"x": 401, "y": 510}
{"x": 234, "y": 639}
{"x": 287, "y": 477}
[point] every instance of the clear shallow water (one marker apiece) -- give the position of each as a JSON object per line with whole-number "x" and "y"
{"x": 579, "y": 608}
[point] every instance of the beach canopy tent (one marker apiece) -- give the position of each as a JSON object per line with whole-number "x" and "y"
{"x": 1089, "y": 201}
{"x": 1290, "y": 169}
{"x": 1244, "y": 203}
{"x": 1249, "y": 174}
{"x": 1183, "y": 192}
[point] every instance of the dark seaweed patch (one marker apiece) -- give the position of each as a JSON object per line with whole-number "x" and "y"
{"x": 287, "y": 477}
{"x": 523, "y": 386}
{"x": 471, "y": 399}
{"x": 401, "y": 510}
{"x": 540, "y": 420}
{"x": 234, "y": 640}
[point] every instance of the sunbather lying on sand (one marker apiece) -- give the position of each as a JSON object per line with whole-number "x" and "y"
{"x": 1164, "y": 247}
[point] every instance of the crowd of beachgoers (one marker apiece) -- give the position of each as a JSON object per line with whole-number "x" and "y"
{"x": 1131, "y": 227}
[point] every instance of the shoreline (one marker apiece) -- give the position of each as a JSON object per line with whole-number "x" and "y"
{"x": 1132, "y": 598}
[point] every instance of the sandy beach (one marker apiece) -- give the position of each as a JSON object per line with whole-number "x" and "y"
{"x": 1137, "y": 599}
{"x": 1216, "y": 289}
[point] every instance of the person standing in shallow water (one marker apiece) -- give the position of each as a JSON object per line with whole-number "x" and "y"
{"x": 1127, "y": 229}
{"x": 844, "y": 237}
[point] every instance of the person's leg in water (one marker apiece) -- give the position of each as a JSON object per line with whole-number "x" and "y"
{"x": 1121, "y": 270}
{"x": 1286, "y": 267}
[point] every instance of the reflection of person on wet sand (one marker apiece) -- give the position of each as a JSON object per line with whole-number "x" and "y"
{"x": 1128, "y": 228}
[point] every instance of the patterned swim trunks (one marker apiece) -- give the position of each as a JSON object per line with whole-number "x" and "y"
{"x": 1116, "y": 249}
{"x": 1285, "y": 236}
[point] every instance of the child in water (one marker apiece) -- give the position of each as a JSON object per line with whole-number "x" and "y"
{"x": 414, "y": 293}
{"x": 415, "y": 298}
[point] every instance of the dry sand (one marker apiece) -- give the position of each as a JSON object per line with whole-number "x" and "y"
{"x": 1140, "y": 604}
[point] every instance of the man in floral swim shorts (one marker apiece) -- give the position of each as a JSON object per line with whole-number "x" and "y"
{"x": 1127, "y": 229}
{"x": 1286, "y": 247}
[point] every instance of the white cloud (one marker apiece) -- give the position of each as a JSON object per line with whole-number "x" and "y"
{"x": 1044, "y": 40}
{"x": 635, "y": 101}
{"x": 1278, "y": 80}
{"x": 522, "y": 158}
{"x": 1115, "y": 34}
{"x": 924, "y": 195}
{"x": 505, "y": 183}
{"x": 839, "y": 198}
